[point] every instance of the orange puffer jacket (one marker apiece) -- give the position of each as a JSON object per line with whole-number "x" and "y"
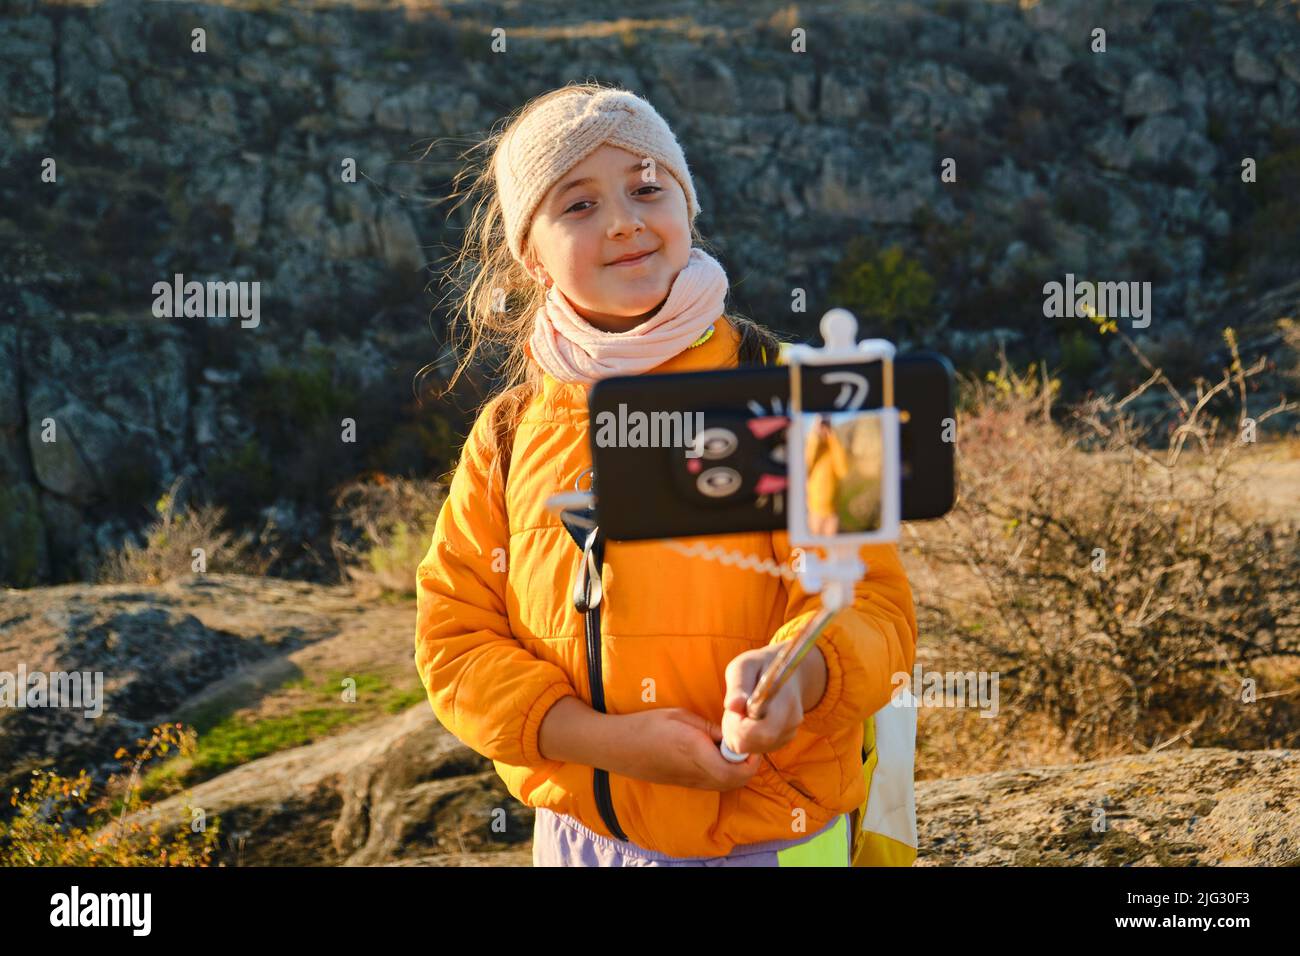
{"x": 498, "y": 640}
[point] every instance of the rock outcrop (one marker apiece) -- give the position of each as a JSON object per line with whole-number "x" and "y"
{"x": 400, "y": 790}
{"x": 161, "y": 652}
{"x": 1198, "y": 807}
{"x": 396, "y": 788}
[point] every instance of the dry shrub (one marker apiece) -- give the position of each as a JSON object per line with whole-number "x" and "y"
{"x": 168, "y": 551}
{"x": 383, "y": 526}
{"x": 1119, "y": 586}
{"x": 54, "y": 822}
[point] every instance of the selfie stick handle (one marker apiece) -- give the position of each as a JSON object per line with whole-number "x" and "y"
{"x": 843, "y": 566}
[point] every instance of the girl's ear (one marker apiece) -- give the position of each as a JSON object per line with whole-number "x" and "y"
{"x": 536, "y": 270}
{"x": 539, "y": 273}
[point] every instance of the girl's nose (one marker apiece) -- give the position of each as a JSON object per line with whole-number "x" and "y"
{"x": 625, "y": 227}
{"x": 624, "y": 221}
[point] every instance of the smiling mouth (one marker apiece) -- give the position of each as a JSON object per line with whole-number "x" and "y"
{"x": 635, "y": 262}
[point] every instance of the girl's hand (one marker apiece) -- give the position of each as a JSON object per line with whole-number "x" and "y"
{"x": 784, "y": 713}
{"x": 679, "y": 747}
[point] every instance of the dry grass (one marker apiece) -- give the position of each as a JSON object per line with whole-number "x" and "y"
{"x": 172, "y": 542}
{"x": 55, "y": 822}
{"x": 383, "y": 526}
{"x": 1129, "y": 592}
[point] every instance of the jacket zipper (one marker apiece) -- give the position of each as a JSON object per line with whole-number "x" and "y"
{"x": 600, "y": 778}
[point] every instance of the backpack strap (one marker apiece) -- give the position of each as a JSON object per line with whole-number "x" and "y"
{"x": 587, "y": 598}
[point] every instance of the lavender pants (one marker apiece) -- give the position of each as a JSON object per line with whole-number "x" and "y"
{"x": 560, "y": 840}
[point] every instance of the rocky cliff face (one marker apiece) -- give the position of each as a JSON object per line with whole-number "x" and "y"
{"x": 226, "y": 165}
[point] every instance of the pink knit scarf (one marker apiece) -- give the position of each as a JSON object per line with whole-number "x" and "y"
{"x": 571, "y": 349}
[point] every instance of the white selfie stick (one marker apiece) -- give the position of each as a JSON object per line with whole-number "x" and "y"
{"x": 835, "y": 576}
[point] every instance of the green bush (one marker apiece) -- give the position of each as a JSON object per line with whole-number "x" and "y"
{"x": 296, "y": 410}
{"x": 424, "y": 444}
{"x": 245, "y": 480}
{"x": 302, "y": 396}
{"x": 891, "y": 294}
{"x": 1273, "y": 232}
{"x": 1080, "y": 355}
{"x": 22, "y": 536}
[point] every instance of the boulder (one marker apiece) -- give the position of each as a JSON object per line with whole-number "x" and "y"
{"x": 1199, "y": 807}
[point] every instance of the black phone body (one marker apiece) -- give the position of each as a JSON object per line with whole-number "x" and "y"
{"x": 640, "y": 493}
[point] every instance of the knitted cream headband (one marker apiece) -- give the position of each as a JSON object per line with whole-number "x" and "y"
{"x": 563, "y": 131}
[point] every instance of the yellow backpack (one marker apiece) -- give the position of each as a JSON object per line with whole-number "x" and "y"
{"x": 884, "y": 827}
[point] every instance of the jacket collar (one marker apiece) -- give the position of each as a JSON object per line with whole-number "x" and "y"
{"x": 718, "y": 351}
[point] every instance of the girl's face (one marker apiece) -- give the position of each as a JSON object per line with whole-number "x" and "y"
{"x": 600, "y": 211}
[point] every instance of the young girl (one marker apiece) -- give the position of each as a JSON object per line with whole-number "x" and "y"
{"x": 586, "y": 265}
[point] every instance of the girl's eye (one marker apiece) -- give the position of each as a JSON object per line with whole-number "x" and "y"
{"x": 574, "y": 207}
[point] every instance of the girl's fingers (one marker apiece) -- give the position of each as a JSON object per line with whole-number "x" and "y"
{"x": 711, "y": 729}
{"x": 775, "y": 729}
{"x": 745, "y": 670}
{"x": 727, "y": 774}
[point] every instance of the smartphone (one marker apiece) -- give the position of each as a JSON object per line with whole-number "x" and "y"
{"x": 703, "y": 453}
